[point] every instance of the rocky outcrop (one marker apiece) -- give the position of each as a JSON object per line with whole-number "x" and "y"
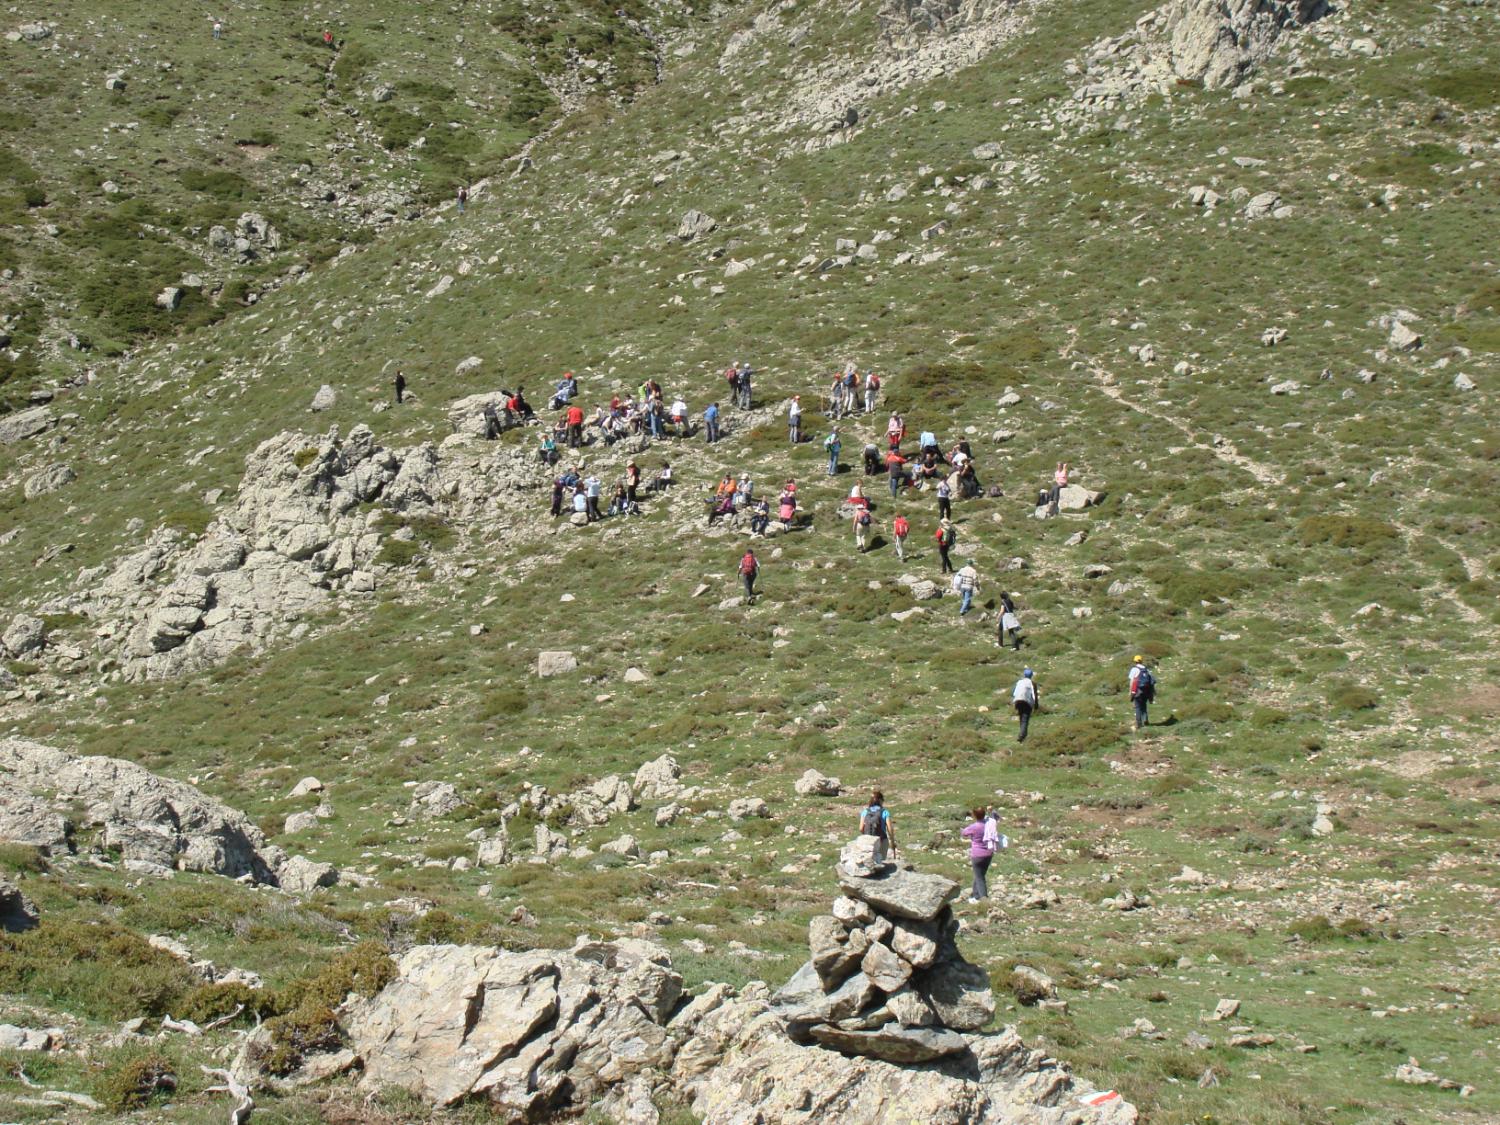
{"x": 544, "y": 1033}
{"x": 1218, "y": 42}
{"x": 531, "y": 1033}
{"x": 1213, "y": 43}
{"x": 25, "y": 424}
{"x": 305, "y": 531}
{"x": 157, "y": 825}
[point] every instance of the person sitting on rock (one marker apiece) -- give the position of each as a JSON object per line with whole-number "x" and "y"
{"x": 762, "y": 517}
{"x": 518, "y": 405}
{"x": 566, "y": 390}
{"x": 548, "y": 454}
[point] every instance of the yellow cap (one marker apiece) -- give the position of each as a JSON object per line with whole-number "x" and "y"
{"x": 1139, "y": 659}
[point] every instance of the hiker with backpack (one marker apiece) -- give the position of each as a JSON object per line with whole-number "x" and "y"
{"x": 1142, "y": 690}
{"x": 862, "y": 523}
{"x": 872, "y": 391}
{"x": 895, "y": 467}
{"x": 832, "y": 445}
{"x": 895, "y": 431}
{"x": 1025, "y": 698}
{"x": 744, "y": 385}
{"x": 749, "y": 571}
{"x": 875, "y": 820}
{"x": 900, "y": 529}
{"x": 1009, "y": 622}
{"x": 965, "y": 583}
{"x": 946, "y": 536}
{"x": 981, "y": 852}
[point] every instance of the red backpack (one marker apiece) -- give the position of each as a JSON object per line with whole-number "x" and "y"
{"x": 748, "y": 564}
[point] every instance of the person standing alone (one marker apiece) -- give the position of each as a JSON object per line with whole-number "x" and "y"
{"x": 900, "y": 529}
{"x": 749, "y": 569}
{"x": 981, "y": 852}
{"x": 1142, "y": 690}
{"x": 400, "y": 388}
{"x": 966, "y": 582}
{"x": 1025, "y": 699}
{"x": 946, "y": 536}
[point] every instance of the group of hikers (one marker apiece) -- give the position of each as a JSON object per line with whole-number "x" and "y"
{"x": 982, "y": 835}
{"x": 928, "y": 467}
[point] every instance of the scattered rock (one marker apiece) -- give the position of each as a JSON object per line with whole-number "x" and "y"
{"x": 814, "y": 784}
{"x": 1403, "y": 339}
{"x": 300, "y": 875}
{"x": 324, "y": 399}
{"x": 695, "y": 224}
{"x": 555, "y": 664}
{"x": 745, "y": 808}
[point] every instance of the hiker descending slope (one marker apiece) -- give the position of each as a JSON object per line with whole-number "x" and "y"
{"x": 749, "y": 571}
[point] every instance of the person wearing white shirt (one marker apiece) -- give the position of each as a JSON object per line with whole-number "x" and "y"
{"x": 1025, "y": 699}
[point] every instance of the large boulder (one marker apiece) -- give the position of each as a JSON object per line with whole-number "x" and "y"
{"x": 25, "y": 423}
{"x": 158, "y": 824}
{"x": 902, "y": 892}
{"x": 695, "y": 224}
{"x": 1074, "y": 498}
{"x": 24, "y": 635}
{"x": 50, "y": 479}
{"x": 531, "y": 1033}
{"x": 555, "y": 664}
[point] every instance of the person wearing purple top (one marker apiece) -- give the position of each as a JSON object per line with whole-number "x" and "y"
{"x": 981, "y": 851}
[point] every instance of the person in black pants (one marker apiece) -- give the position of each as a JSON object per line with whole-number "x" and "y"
{"x": 1025, "y": 699}
{"x": 946, "y": 537}
{"x": 945, "y": 500}
{"x": 400, "y": 387}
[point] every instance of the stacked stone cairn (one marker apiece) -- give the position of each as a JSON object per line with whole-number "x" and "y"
{"x": 886, "y": 979}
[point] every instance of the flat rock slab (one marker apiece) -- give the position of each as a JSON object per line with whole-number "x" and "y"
{"x": 894, "y": 1043}
{"x": 904, "y": 894}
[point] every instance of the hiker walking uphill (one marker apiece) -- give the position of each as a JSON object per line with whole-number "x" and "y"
{"x": 1009, "y": 622}
{"x": 946, "y": 536}
{"x": 981, "y": 852}
{"x": 900, "y": 529}
{"x": 875, "y": 820}
{"x": 1142, "y": 690}
{"x": 400, "y": 383}
{"x": 965, "y": 583}
{"x": 832, "y": 445}
{"x": 711, "y": 422}
{"x": 794, "y": 420}
{"x": 872, "y": 391}
{"x": 749, "y": 571}
{"x": 1025, "y": 698}
{"x": 862, "y": 522}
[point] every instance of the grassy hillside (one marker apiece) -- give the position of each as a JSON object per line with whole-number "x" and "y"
{"x": 1312, "y": 573}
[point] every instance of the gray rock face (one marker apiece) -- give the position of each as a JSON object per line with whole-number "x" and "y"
{"x": 47, "y": 480}
{"x": 305, "y": 526}
{"x": 1218, "y": 42}
{"x": 300, "y": 875}
{"x": 17, "y": 912}
{"x": 902, "y": 893}
{"x": 531, "y": 1033}
{"x": 555, "y": 664}
{"x": 159, "y": 825}
{"x": 24, "y": 424}
{"x": 894, "y": 1043}
{"x": 324, "y": 399}
{"x": 695, "y": 224}
{"x": 24, "y": 635}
